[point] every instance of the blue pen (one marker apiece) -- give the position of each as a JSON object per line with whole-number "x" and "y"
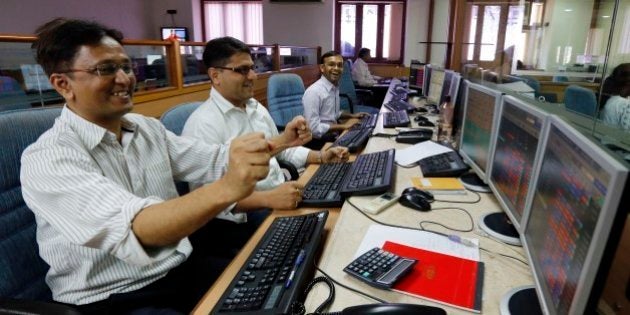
{"x": 298, "y": 262}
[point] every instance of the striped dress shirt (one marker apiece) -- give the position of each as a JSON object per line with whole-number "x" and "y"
{"x": 321, "y": 106}
{"x": 85, "y": 188}
{"x": 217, "y": 121}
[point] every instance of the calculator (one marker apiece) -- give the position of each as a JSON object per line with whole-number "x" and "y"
{"x": 379, "y": 268}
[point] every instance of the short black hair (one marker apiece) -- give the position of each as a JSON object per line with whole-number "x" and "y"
{"x": 59, "y": 40}
{"x": 363, "y": 52}
{"x": 219, "y": 50}
{"x": 328, "y": 54}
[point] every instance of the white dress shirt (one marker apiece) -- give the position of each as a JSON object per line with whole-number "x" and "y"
{"x": 617, "y": 112}
{"x": 85, "y": 188}
{"x": 217, "y": 121}
{"x": 321, "y": 106}
{"x": 361, "y": 73}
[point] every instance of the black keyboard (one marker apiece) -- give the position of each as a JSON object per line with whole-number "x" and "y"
{"x": 354, "y": 139}
{"x": 398, "y": 118}
{"x": 277, "y": 270}
{"x": 367, "y": 122}
{"x": 396, "y": 105}
{"x": 370, "y": 173}
{"x": 448, "y": 164}
{"x": 323, "y": 188}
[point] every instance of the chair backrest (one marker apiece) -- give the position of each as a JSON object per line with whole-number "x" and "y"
{"x": 175, "y": 118}
{"x": 533, "y": 83}
{"x": 346, "y": 87}
{"x": 11, "y": 95}
{"x": 284, "y": 97}
{"x": 22, "y": 271}
{"x": 580, "y": 99}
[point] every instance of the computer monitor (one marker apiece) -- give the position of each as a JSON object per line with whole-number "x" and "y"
{"x": 454, "y": 87}
{"x": 179, "y": 33}
{"x": 446, "y": 85}
{"x": 517, "y": 148}
{"x": 481, "y": 108}
{"x": 435, "y": 86}
{"x": 426, "y": 80}
{"x": 577, "y": 215}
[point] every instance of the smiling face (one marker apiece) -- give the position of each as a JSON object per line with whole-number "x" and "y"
{"x": 102, "y": 99}
{"x": 332, "y": 68}
{"x": 236, "y": 87}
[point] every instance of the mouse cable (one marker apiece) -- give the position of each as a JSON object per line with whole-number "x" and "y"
{"x": 453, "y": 238}
{"x": 412, "y": 165}
{"x": 472, "y": 221}
{"x": 510, "y": 247}
{"x": 467, "y": 202}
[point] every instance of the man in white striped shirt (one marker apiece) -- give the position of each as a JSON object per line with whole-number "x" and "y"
{"x": 100, "y": 183}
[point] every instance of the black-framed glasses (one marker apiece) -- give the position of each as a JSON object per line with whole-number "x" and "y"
{"x": 108, "y": 69}
{"x": 244, "y": 70}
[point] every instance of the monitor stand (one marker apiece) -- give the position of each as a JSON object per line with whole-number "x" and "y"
{"x": 499, "y": 226}
{"x": 472, "y": 182}
{"x": 520, "y": 301}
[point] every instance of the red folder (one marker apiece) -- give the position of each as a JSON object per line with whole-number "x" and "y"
{"x": 441, "y": 278}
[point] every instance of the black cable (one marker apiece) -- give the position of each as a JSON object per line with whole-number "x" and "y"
{"x": 349, "y": 288}
{"x": 472, "y": 221}
{"x": 383, "y": 135}
{"x": 504, "y": 255}
{"x": 408, "y": 166}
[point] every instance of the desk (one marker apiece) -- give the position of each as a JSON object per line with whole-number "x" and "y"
{"x": 346, "y": 228}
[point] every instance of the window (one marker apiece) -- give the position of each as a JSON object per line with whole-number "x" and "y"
{"x": 377, "y": 25}
{"x": 242, "y": 20}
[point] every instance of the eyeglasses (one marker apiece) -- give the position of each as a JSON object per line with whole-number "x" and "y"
{"x": 107, "y": 69}
{"x": 244, "y": 70}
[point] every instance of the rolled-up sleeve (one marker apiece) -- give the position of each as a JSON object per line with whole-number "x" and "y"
{"x": 70, "y": 193}
{"x": 312, "y": 101}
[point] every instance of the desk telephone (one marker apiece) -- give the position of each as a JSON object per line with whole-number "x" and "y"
{"x": 414, "y": 136}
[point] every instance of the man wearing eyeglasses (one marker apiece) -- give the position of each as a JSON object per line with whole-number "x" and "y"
{"x": 101, "y": 184}
{"x": 321, "y": 102}
{"x": 231, "y": 111}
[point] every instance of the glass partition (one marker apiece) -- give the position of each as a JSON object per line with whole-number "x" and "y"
{"x": 263, "y": 58}
{"x": 292, "y": 56}
{"x": 193, "y": 69}
{"x": 152, "y": 66}
{"x": 23, "y": 83}
{"x": 572, "y": 54}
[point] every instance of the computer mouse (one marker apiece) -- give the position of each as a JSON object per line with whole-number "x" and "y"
{"x": 393, "y": 309}
{"x": 414, "y": 201}
{"x": 425, "y": 123}
{"x": 419, "y": 118}
{"x": 425, "y": 194}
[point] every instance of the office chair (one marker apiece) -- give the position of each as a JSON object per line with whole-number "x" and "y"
{"x": 580, "y": 99}
{"x": 284, "y": 98}
{"x": 23, "y": 289}
{"x": 349, "y": 95}
{"x": 11, "y": 95}
{"x": 174, "y": 119}
{"x": 559, "y": 78}
{"x": 535, "y": 84}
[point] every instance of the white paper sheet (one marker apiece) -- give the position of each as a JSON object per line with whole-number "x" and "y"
{"x": 419, "y": 151}
{"x": 377, "y": 235}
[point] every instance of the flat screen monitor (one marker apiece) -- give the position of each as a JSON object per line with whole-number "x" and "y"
{"x": 446, "y": 85}
{"x": 426, "y": 80}
{"x": 517, "y": 148}
{"x": 179, "y": 33}
{"x": 435, "y": 86}
{"x": 454, "y": 87}
{"x": 481, "y": 108}
{"x": 575, "y": 220}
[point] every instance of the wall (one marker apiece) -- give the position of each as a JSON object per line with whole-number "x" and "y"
{"x": 416, "y": 30}
{"x": 299, "y": 24}
{"x": 439, "y": 32}
{"x": 132, "y": 17}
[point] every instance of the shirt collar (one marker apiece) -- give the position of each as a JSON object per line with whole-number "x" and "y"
{"x": 327, "y": 84}
{"x": 90, "y": 133}
{"x": 225, "y": 106}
